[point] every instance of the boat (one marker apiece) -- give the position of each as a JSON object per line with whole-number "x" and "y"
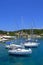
{"x": 32, "y": 41}
{"x": 11, "y": 46}
{"x": 31, "y": 44}
{"x": 3, "y": 40}
{"x": 20, "y": 51}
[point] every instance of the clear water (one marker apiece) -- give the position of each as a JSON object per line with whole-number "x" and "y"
{"x": 36, "y": 58}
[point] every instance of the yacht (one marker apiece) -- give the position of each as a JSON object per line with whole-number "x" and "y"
{"x": 11, "y": 46}
{"x": 31, "y": 44}
{"x": 20, "y": 51}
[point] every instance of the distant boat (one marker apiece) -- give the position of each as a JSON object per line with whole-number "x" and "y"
{"x": 3, "y": 40}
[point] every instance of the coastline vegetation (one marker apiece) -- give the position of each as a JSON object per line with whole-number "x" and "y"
{"x": 28, "y": 31}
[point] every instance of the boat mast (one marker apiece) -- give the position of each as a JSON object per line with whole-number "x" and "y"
{"x": 22, "y": 31}
{"x": 31, "y": 32}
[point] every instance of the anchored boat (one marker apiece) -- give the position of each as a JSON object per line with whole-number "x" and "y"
{"x": 11, "y": 46}
{"x": 31, "y": 44}
{"x": 20, "y": 51}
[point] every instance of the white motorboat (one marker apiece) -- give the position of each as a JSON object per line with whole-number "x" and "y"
{"x": 20, "y": 51}
{"x": 31, "y": 44}
{"x": 11, "y": 46}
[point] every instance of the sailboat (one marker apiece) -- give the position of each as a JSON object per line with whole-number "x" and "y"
{"x": 12, "y": 45}
{"x": 31, "y": 42}
{"x": 20, "y": 51}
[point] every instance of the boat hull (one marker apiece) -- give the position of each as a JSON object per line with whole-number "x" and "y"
{"x": 31, "y": 46}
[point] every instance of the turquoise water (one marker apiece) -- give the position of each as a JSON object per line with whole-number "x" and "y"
{"x": 36, "y": 58}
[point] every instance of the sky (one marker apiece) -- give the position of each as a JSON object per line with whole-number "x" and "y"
{"x": 21, "y": 14}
